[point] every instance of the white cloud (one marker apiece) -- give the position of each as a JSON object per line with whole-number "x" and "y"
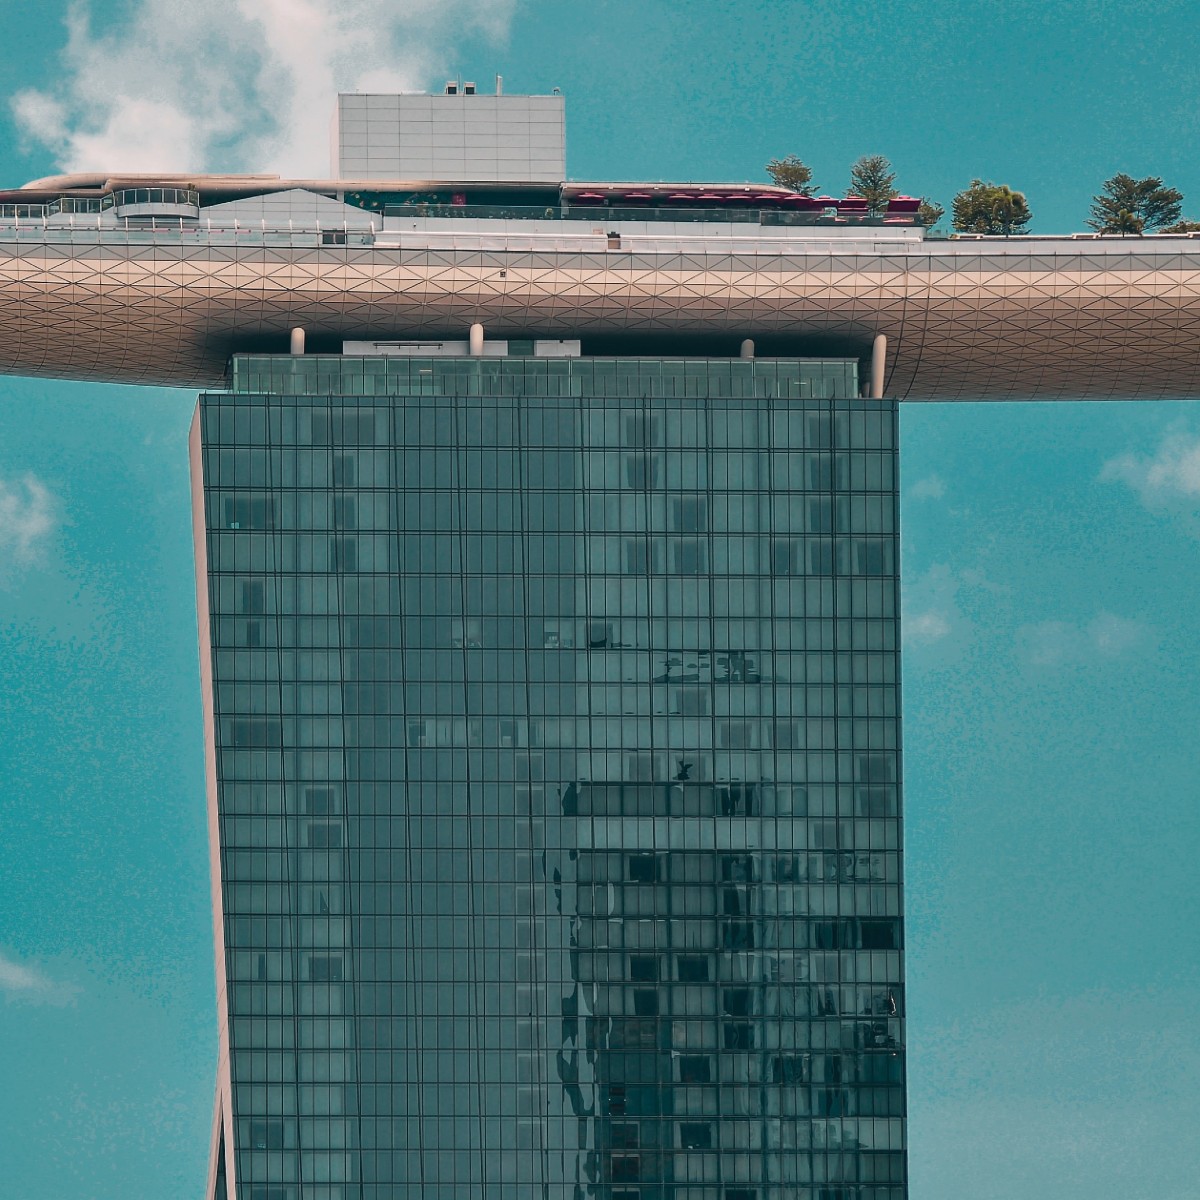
{"x": 236, "y": 84}
{"x": 26, "y": 519}
{"x": 933, "y": 611}
{"x": 1173, "y": 471}
{"x": 929, "y": 626}
{"x": 1060, "y": 643}
{"x": 929, "y": 488}
{"x": 21, "y": 982}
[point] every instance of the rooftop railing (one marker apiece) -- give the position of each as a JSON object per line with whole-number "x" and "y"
{"x": 835, "y": 212}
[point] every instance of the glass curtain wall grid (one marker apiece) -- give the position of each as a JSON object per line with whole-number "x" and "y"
{"x": 557, "y": 743}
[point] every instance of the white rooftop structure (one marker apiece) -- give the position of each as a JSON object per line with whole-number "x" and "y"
{"x": 459, "y": 135}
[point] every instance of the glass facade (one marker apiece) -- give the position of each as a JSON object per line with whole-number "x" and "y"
{"x": 557, "y": 754}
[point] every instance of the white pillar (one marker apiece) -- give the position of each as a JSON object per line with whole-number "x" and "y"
{"x": 475, "y": 342}
{"x": 747, "y": 348}
{"x": 297, "y": 341}
{"x": 878, "y": 363}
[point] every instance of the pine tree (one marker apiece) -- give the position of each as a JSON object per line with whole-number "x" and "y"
{"x": 1128, "y": 205}
{"x": 792, "y": 174}
{"x": 873, "y": 179}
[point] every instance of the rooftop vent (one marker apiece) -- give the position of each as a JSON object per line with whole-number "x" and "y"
{"x": 452, "y": 88}
{"x": 468, "y": 89}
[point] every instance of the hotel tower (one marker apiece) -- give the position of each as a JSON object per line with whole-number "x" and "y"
{"x": 547, "y": 574}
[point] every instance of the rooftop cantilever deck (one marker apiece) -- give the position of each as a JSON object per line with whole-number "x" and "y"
{"x": 152, "y": 296}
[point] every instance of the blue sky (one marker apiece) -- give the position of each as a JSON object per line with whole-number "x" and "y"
{"x": 1050, "y": 551}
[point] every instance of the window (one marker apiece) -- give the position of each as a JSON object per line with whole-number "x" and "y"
{"x": 324, "y": 835}
{"x": 693, "y": 970}
{"x": 641, "y": 470}
{"x": 626, "y": 1168}
{"x": 625, "y": 1135}
{"x": 345, "y": 512}
{"x": 249, "y": 512}
{"x": 255, "y": 733}
{"x": 739, "y": 935}
{"x": 266, "y": 1135}
{"x": 637, "y": 556}
{"x": 737, "y": 868}
{"x": 253, "y": 597}
{"x": 789, "y": 1070}
{"x": 739, "y": 1035}
{"x": 689, "y": 516}
{"x": 737, "y": 800}
{"x": 695, "y": 1068}
{"x": 820, "y": 556}
{"x": 820, "y": 514}
{"x": 871, "y": 556}
{"x": 343, "y": 554}
{"x": 325, "y": 968}
{"x": 641, "y": 430}
{"x": 880, "y": 935}
{"x": 688, "y": 557}
{"x": 599, "y": 634}
{"x": 320, "y": 802}
{"x": 645, "y": 1002}
{"x": 787, "y": 557}
{"x": 643, "y": 968}
{"x": 736, "y": 1002}
{"x": 643, "y": 868}
{"x": 695, "y": 1136}
{"x": 343, "y": 427}
{"x": 345, "y": 470}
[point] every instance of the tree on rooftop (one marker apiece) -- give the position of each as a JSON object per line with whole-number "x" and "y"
{"x": 930, "y": 213}
{"x": 1182, "y": 227}
{"x": 990, "y": 208}
{"x": 792, "y": 174}
{"x": 873, "y": 179}
{"x": 1128, "y": 205}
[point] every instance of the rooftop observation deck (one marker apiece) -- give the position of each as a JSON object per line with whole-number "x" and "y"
{"x": 99, "y": 282}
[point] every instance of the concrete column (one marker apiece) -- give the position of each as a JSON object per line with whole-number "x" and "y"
{"x": 297, "y": 341}
{"x": 748, "y": 348}
{"x": 475, "y": 341}
{"x": 878, "y": 363}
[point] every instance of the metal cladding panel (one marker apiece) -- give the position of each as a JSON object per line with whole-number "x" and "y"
{"x": 960, "y": 324}
{"x": 478, "y": 138}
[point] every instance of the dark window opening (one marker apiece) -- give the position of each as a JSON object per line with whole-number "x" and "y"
{"x": 693, "y": 970}
{"x": 737, "y": 1002}
{"x": 626, "y": 1168}
{"x": 738, "y": 1035}
{"x": 643, "y": 868}
{"x": 788, "y": 1071}
{"x": 645, "y": 1002}
{"x": 737, "y": 868}
{"x": 643, "y": 968}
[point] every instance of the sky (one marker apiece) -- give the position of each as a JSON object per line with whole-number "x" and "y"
{"x": 1050, "y": 555}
